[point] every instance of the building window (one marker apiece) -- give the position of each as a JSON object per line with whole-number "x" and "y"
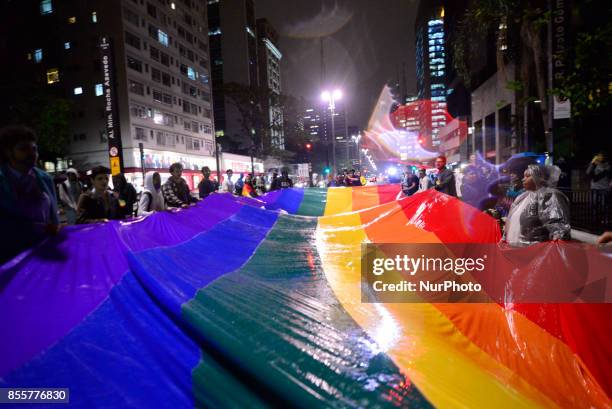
{"x": 191, "y": 74}
{"x": 71, "y": 20}
{"x": 165, "y": 59}
{"x": 154, "y": 53}
{"x": 67, "y": 45}
{"x": 155, "y": 74}
{"x": 46, "y": 7}
{"x": 157, "y": 95}
{"x": 132, "y": 40}
{"x": 78, "y": 91}
{"x": 162, "y": 37}
{"x": 193, "y": 144}
{"x": 140, "y": 134}
{"x": 99, "y": 90}
{"x": 38, "y": 55}
{"x": 94, "y": 17}
{"x": 131, "y": 17}
{"x": 134, "y": 64}
{"x": 166, "y": 79}
{"x": 136, "y": 87}
{"x": 151, "y": 10}
{"x": 52, "y": 75}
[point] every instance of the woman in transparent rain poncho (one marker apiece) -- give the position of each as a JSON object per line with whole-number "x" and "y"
{"x": 541, "y": 213}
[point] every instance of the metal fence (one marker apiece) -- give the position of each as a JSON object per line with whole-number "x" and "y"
{"x": 590, "y": 210}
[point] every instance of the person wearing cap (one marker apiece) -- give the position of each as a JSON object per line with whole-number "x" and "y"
{"x": 69, "y": 192}
{"x": 28, "y": 203}
{"x": 283, "y": 182}
{"x": 100, "y": 205}
{"x": 541, "y": 213}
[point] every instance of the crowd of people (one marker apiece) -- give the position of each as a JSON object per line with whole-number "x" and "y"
{"x": 31, "y": 202}
{"x": 346, "y": 178}
{"x": 522, "y": 196}
{"x": 531, "y": 207}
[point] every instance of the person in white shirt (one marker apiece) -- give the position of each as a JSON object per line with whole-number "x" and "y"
{"x": 228, "y": 185}
{"x": 424, "y": 181}
{"x": 151, "y": 199}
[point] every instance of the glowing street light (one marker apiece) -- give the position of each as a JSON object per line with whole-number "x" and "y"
{"x": 331, "y": 97}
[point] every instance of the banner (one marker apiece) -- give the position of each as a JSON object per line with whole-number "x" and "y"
{"x": 111, "y": 114}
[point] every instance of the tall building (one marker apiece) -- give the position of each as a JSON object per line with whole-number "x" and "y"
{"x": 233, "y": 49}
{"x": 136, "y": 71}
{"x": 431, "y": 68}
{"x": 269, "y": 58}
{"x": 317, "y": 122}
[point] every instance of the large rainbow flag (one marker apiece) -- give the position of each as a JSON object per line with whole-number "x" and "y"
{"x": 241, "y": 302}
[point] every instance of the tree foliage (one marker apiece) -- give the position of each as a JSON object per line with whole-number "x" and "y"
{"x": 253, "y": 105}
{"x": 521, "y": 26}
{"x": 588, "y": 81}
{"x": 49, "y": 116}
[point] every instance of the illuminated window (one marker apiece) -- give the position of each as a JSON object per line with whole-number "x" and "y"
{"x": 67, "y": 45}
{"x": 191, "y": 74}
{"x": 46, "y": 7}
{"x": 99, "y": 90}
{"x": 71, "y": 20}
{"x": 94, "y": 17}
{"x": 52, "y": 75}
{"x": 38, "y": 54}
{"x": 162, "y": 37}
{"x": 78, "y": 90}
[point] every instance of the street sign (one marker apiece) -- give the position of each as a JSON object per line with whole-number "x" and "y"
{"x": 111, "y": 114}
{"x": 115, "y": 165}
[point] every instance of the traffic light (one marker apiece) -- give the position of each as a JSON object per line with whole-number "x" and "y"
{"x": 308, "y": 146}
{"x": 326, "y": 171}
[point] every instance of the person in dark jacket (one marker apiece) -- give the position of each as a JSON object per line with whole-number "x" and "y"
{"x": 28, "y": 203}
{"x": 175, "y": 190}
{"x": 283, "y": 182}
{"x": 206, "y": 186}
{"x": 445, "y": 179}
{"x": 410, "y": 182}
{"x": 239, "y": 185}
{"x": 100, "y": 205}
{"x": 472, "y": 186}
{"x": 352, "y": 179}
{"x": 125, "y": 194}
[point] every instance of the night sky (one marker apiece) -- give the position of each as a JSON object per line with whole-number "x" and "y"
{"x": 366, "y": 44}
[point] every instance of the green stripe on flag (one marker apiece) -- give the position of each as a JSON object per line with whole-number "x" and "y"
{"x": 313, "y": 202}
{"x": 280, "y": 324}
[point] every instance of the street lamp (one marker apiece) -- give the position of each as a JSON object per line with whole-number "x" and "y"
{"x": 331, "y": 98}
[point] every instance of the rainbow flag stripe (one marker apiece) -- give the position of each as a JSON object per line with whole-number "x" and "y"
{"x": 241, "y": 302}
